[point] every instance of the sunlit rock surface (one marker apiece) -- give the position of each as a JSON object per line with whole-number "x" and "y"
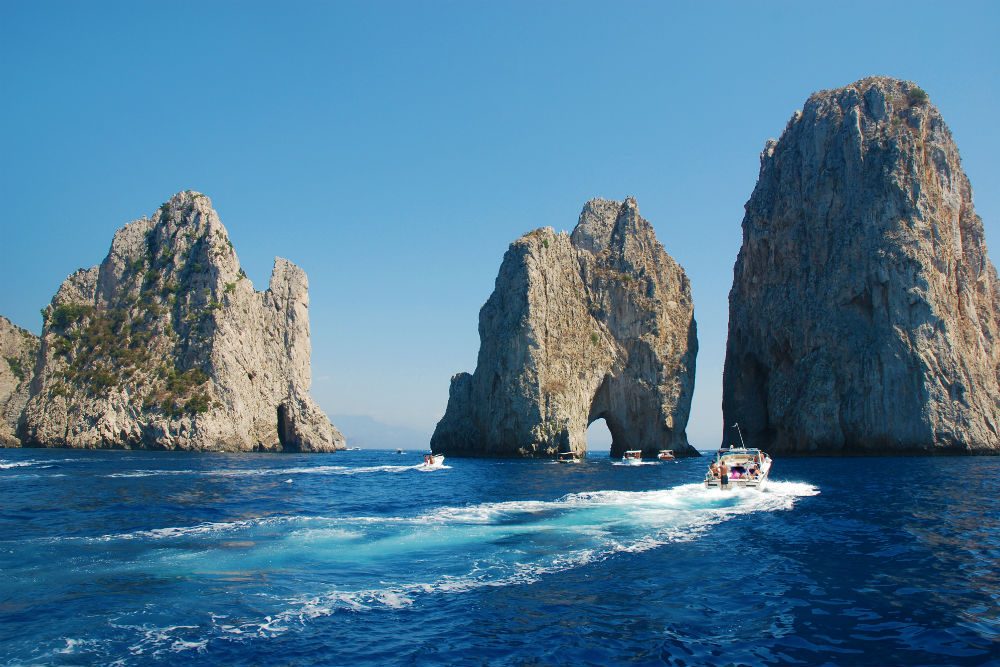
{"x": 166, "y": 345}
{"x": 18, "y": 352}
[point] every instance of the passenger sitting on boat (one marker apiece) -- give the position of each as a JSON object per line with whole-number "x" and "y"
{"x": 714, "y": 469}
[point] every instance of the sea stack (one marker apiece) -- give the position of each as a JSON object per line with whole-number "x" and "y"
{"x": 166, "y": 345}
{"x": 597, "y": 324}
{"x": 863, "y": 313}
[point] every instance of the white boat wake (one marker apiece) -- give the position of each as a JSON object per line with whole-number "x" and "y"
{"x": 463, "y": 548}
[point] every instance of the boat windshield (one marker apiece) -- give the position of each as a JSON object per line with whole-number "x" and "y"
{"x": 740, "y": 452}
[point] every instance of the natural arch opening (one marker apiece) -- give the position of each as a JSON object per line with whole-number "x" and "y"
{"x": 599, "y": 436}
{"x": 617, "y": 443}
{"x": 603, "y": 419}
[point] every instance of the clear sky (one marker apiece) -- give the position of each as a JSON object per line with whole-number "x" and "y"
{"x": 394, "y": 150}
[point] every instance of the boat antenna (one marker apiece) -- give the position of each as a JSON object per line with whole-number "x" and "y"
{"x": 737, "y": 427}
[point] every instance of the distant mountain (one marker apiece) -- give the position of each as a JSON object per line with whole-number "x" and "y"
{"x": 369, "y": 433}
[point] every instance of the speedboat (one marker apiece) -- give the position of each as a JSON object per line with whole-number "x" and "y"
{"x": 632, "y": 457}
{"x": 666, "y": 455}
{"x": 569, "y": 457}
{"x": 399, "y": 451}
{"x": 433, "y": 460}
{"x": 746, "y": 467}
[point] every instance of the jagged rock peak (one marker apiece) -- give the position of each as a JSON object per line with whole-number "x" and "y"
{"x": 863, "y": 309}
{"x": 18, "y": 352}
{"x": 596, "y": 324}
{"x": 166, "y": 344}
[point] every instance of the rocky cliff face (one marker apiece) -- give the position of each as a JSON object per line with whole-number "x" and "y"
{"x": 166, "y": 345}
{"x": 863, "y": 309}
{"x": 18, "y": 351}
{"x": 599, "y": 324}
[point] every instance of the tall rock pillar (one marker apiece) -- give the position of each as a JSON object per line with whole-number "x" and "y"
{"x": 863, "y": 313}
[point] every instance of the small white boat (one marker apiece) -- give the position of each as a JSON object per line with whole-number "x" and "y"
{"x": 399, "y": 451}
{"x": 744, "y": 468}
{"x": 433, "y": 460}
{"x": 569, "y": 457}
{"x": 666, "y": 455}
{"x": 632, "y": 457}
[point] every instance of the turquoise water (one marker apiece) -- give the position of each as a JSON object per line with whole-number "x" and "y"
{"x": 363, "y": 558}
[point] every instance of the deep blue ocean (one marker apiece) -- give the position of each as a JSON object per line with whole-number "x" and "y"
{"x": 359, "y": 558}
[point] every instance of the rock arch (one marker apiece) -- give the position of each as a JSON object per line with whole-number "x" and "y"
{"x": 595, "y": 324}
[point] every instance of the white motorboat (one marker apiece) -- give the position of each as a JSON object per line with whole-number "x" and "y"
{"x": 744, "y": 467}
{"x": 569, "y": 457}
{"x": 632, "y": 457}
{"x": 666, "y": 455}
{"x": 433, "y": 460}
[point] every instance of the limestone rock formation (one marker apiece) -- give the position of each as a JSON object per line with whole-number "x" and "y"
{"x": 18, "y": 349}
{"x": 863, "y": 313}
{"x": 166, "y": 345}
{"x": 597, "y": 324}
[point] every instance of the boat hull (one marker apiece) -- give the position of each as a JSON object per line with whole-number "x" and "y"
{"x": 435, "y": 461}
{"x": 760, "y": 483}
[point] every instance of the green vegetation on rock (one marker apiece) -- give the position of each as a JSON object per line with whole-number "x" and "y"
{"x": 917, "y": 96}
{"x": 16, "y": 368}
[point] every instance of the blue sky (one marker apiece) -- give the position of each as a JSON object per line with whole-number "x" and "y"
{"x": 394, "y": 150}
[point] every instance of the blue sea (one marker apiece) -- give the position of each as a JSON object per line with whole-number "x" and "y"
{"x": 362, "y": 558}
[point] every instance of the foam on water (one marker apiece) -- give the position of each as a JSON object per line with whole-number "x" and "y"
{"x": 640, "y": 463}
{"x": 7, "y": 465}
{"x": 255, "y": 472}
{"x": 481, "y": 545}
{"x": 205, "y": 529}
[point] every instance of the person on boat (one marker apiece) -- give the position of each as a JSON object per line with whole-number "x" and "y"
{"x": 723, "y": 476}
{"x": 714, "y": 469}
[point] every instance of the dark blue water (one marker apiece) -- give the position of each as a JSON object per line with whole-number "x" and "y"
{"x": 359, "y": 558}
